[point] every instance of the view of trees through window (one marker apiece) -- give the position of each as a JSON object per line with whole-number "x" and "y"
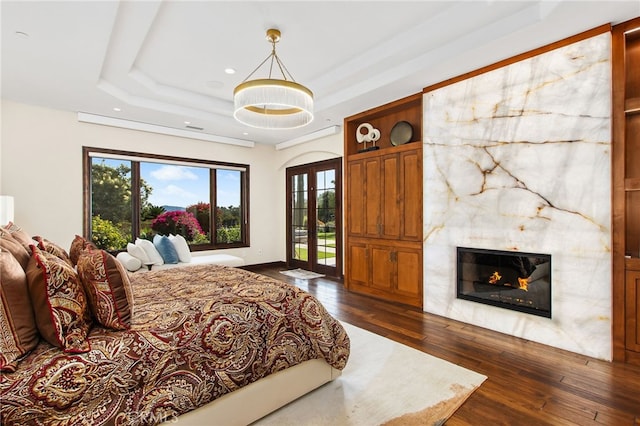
{"x": 133, "y": 198}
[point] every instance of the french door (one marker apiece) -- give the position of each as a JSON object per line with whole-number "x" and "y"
{"x": 314, "y": 217}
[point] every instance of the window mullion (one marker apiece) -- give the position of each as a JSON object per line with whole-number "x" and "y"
{"x": 244, "y": 206}
{"x": 135, "y": 200}
{"x": 213, "y": 203}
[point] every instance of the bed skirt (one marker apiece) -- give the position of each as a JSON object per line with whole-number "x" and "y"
{"x": 256, "y": 400}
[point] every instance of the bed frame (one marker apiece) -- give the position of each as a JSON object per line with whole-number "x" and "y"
{"x": 252, "y": 402}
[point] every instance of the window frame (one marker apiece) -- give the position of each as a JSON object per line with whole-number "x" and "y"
{"x": 135, "y": 158}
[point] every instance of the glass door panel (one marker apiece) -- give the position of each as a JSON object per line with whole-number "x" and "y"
{"x": 326, "y": 218}
{"x": 299, "y": 217}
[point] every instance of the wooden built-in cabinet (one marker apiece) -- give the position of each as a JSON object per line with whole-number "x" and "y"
{"x": 632, "y": 302}
{"x": 626, "y": 191}
{"x": 383, "y": 193}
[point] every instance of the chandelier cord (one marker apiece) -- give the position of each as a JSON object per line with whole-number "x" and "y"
{"x": 274, "y": 56}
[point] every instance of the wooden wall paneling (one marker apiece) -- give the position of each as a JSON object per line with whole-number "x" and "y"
{"x": 411, "y": 200}
{"x": 372, "y": 197}
{"x": 391, "y": 215}
{"x": 632, "y": 305}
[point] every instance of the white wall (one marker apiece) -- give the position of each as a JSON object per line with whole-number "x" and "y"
{"x": 41, "y": 166}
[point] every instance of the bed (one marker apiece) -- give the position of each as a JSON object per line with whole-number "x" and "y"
{"x": 204, "y": 342}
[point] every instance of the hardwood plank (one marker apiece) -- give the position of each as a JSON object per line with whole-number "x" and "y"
{"x": 528, "y": 383}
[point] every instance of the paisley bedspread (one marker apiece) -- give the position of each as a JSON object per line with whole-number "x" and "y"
{"x": 198, "y": 332}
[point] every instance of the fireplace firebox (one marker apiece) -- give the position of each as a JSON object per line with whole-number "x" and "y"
{"x": 512, "y": 280}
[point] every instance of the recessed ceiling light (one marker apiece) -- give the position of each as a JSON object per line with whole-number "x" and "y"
{"x": 117, "y": 109}
{"x": 229, "y": 70}
{"x": 187, "y": 122}
{"x": 245, "y": 133}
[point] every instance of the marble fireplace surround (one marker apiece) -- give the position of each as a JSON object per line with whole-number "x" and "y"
{"x": 518, "y": 159}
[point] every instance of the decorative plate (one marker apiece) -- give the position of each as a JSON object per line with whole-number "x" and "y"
{"x": 401, "y": 133}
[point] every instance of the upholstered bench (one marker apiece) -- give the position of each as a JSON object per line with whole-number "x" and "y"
{"x": 205, "y": 259}
{"x": 170, "y": 252}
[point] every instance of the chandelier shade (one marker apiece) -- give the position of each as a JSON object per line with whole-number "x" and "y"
{"x": 271, "y": 103}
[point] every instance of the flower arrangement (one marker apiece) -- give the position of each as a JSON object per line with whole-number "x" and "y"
{"x": 177, "y": 222}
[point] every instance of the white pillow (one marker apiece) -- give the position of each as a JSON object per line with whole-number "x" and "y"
{"x": 138, "y": 252}
{"x": 184, "y": 254}
{"x": 129, "y": 262}
{"x": 151, "y": 251}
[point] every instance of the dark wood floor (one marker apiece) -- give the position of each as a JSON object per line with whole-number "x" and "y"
{"x": 528, "y": 383}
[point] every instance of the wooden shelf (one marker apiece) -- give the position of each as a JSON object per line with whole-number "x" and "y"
{"x": 632, "y": 106}
{"x": 632, "y": 263}
{"x": 632, "y": 184}
{"x": 386, "y": 150}
{"x": 383, "y": 118}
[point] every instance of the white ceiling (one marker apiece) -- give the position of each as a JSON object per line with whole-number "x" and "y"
{"x": 162, "y": 62}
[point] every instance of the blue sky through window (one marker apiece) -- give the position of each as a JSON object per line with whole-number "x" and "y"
{"x": 182, "y": 186}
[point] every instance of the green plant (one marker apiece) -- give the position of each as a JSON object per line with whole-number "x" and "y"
{"x": 151, "y": 212}
{"x": 106, "y": 235}
{"x": 228, "y": 234}
{"x": 146, "y": 233}
{"x": 200, "y": 239}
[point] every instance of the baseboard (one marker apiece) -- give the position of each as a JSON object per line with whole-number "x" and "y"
{"x": 278, "y": 264}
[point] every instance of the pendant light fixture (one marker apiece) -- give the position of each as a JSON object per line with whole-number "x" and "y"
{"x": 272, "y": 103}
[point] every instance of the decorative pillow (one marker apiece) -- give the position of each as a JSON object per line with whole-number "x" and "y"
{"x": 8, "y": 243}
{"x": 166, "y": 249}
{"x": 139, "y": 253}
{"x": 19, "y": 234}
{"x": 54, "y": 249}
{"x": 151, "y": 251}
{"x": 77, "y": 246}
{"x": 108, "y": 288}
{"x": 59, "y": 302}
{"x": 181, "y": 246}
{"x": 129, "y": 262}
{"x": 19, "y": 332}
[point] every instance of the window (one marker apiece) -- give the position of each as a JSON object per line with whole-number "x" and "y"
{"x": 130, "y": 195}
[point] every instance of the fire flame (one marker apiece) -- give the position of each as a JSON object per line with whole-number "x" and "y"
{"x": 523, "y": 283}
{"x": 495, "y": 277}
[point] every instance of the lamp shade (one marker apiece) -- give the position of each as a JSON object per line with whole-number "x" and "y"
{"x": 6, "y": 209}
{"x": 273, "y": 104}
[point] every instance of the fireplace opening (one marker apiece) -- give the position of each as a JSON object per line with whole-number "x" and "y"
{"x": 512, "y": 280}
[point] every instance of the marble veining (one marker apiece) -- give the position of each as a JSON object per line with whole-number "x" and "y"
{"x": 519, "y": 159}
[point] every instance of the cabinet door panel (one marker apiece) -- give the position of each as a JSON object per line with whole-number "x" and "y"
{"x": 632, "y": 308}
{"x": 390, "y": 197}
{"x": 409, "y": 272}
{"x": 382, "y": 268}
{"x": 411, "y": 195}
{"x": 372, "y": 197}
{"x": 358, "y": 271}
{"x": 355, "y": 201}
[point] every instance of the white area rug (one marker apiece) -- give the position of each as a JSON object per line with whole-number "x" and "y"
{"x": 384, "y": 382}
{"x": 301, "y": 274}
